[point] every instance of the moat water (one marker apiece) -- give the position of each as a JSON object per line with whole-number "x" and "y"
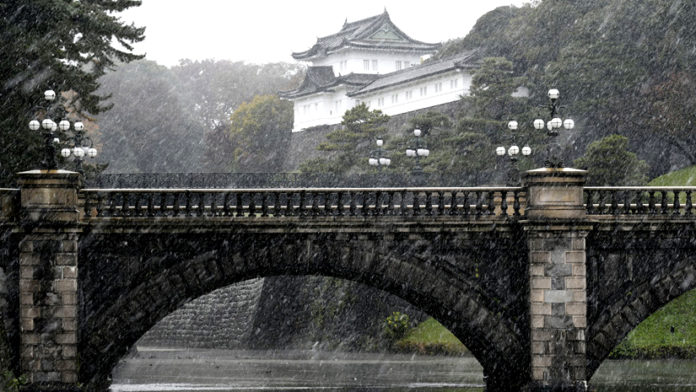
{"x": 159, "y": 370}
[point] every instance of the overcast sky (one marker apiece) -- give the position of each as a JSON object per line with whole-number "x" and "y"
{"x": 260, "y": 31}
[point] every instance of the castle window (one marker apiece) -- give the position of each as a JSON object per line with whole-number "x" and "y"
{"x": 374, "y": 65}
{"x": 366, "y": 65}
{"x": 409, "y": 95}
{"x": 398, "y": 65}
{"x": 424, "y": 91}
{"x": 454, "y": 83}
{"x": 395, "y": 98}
{"x": 380, "y": 102}
{"x": 438, "y": 87}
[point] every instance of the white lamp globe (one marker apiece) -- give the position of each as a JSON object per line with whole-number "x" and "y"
{"x": 49, "y": 95}
{"x": 526, "y": 150}
{"x": 423, "y": 152}
{"x": 373, "y": 162}
{"x": 513, "y": 150}
{"x": 554, "y": 93}
{"x": 383, "y": 161}
{"x": 410, "y": 152}
{"x": 380, "y": 142}
{"x": 78, "y": 152}
{"x": 556, "y": 123}
{"x": 568, "y": 124}
{"x": 56, "y": 140}
{"x": 92, "y": 152}
{"x": 47, "y": 124}
{"x": 79, "y": 126}
{"x": 417, "y": 132}
{"x": 64, "y": 125}
{"x": 54, "y": 126}
{"x": 387, "y": 161}
{"x": 539, "y": 124}
{"x": 512, "y": 125}
{"x": 65, "y": 152}
{"x": 34, "y": 125}
{"x": 500, "y": 151}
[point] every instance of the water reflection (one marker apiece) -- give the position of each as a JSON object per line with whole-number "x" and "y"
{"x": 158, "y": 370}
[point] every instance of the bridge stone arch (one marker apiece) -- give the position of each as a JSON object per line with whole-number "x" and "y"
{"x": 129, "y": 283}
{"x": 634, "y": 270}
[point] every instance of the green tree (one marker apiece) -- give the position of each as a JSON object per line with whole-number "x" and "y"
{"x": 260, "y": 134}
{"x": 63, "y": 45}
{"x": 351, "y": 145}
{"x": 609, "y": 163}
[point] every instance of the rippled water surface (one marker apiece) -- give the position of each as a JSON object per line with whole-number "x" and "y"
{"x": 211, "y": 370}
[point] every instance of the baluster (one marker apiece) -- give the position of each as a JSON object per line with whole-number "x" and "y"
{"x": 453, "y": 203}
{"x": 465, "y": 204}
{"x": 651, "y": 203}
{"x": 252, "y": 204}
{"x": 162, "y": 204}
{"x": 226, "y": 205}
{"x": 378, "y": 204}
{"x": 389, "y": 209}
{"x": 479, "y": 203}
{"x": 289, "y": 207}
{"x": 516, "y": 203}
{"x": 238, "y": 204}
{"x": 402, "y": 208}
{"x": 100, "y": 206}
{"x": 328, "y": 207}
{"x": 301, "y": 210}
{"x": 339, "y": 203}
{"x": 627, "y": 202}
{"x": 640, "y": 207}
{"x": 201, "y": 204}
{"x": 176, "y": 203}
{"x": 428, "y": 203}
{"x": 276, "y": 204}
{"x": 150, "y": 204}
{"x": 441, "y": 203}
{"x": 353, "y": 202}
{"x": 213, "y": 204}
{"x": 601, "y": 202}
{"x": 491, "y": 203}
{"x": 365, "y": 202}
{"x": 315, "y": 203}
{"x": 663, "y": 202}
{"x": 124, "y": 204}
{"x": 264, "y": 204}
{"x": 614, "y": 202}
{"x": 689, "y": 205}
{"x": 189, "y": 202}
{"x": 677, "y": 205}
{"x": 588, "y": 200}
{"x": 87, "y": 207}
{"x": 416, "y": 204}
{"x": 503, "y": 203}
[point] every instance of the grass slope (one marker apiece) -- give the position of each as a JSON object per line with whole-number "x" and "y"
{"x": 431, "y": 337}
{"x": 653, "y": 338}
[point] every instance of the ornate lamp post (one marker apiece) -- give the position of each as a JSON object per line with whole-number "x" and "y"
{"x": 378, "y": 157}
{"x": 513, "y": 174}
{"x": 81, "y": 144}
{"x": 417, "y": 151}
{"x": 552, "y": 126}
{"x": 48, "y": 128}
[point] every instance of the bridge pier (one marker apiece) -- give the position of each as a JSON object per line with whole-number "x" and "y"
{"x": 48, "y": 280}
{"x": 556, "y": 234}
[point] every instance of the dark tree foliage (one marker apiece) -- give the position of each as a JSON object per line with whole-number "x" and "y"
{"x": 260, "y": 134}
{"x": 615, "y": 62}
{"x": 609, "y": 163}
{"x": 349, "y": 147}
{"x": 58, "y": 44}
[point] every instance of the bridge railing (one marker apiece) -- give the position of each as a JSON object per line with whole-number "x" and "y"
{"x": 631, "y": 200}
{"x": 502, "y": 202}
{"x": 9, "y": 203}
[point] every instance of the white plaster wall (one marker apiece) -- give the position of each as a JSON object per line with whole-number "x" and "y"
{"x": 321, "y": 109}
{"x": 354, "y": 61}
{"x": 448, "y": 93}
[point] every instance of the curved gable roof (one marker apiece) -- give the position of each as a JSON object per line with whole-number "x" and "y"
{"x": 377, "y": 32}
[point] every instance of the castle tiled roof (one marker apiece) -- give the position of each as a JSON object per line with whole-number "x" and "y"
{"x": 320, "y": 79}
{"x": 376, "y": 32}
{"x": 465, "y": 60}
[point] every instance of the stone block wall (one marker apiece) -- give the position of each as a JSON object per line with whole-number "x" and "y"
{"x": 558, "y": 307}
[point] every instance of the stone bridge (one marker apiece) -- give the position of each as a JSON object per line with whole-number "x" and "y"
{"x": 540, "y": 282}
